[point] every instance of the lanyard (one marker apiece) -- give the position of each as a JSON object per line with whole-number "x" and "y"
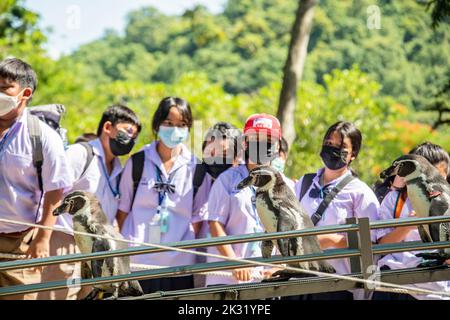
{"x": 163, "y": 188}
{"x": 116, "y": 192}
{"x": 8, "y": 137}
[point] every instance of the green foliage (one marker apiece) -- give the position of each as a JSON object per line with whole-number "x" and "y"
{"x": 244, "y": 48}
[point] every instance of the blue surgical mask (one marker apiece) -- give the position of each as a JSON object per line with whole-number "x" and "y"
{"x": 172, "y": 137}
{"x": 278, "y": 164}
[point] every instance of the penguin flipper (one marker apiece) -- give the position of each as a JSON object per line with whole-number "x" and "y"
{"x": 267, "y": 247}
{"x": 86, "y": 272}
{"x": 286, "y": 246}
{"x": 424, "y": 234}
{"x": 98, "y": 246}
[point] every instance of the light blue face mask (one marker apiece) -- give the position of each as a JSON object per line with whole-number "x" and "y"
{"x": 278, "y": 164}
{"x": 172, "y": 137}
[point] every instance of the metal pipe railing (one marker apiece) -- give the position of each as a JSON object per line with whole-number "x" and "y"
{"x": 192, "y": 244}
{"x": 198, "y": 268}
{"x": 174, "y": 271}
{"x": 21, "y": 264}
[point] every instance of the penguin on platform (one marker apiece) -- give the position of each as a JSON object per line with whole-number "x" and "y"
{"x": 429, "y": 194}
{"x": 279, "y": 210}
{"x": 89, "y": 217}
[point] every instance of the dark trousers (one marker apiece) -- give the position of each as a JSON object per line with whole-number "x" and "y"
{"x": 167, "y": 284}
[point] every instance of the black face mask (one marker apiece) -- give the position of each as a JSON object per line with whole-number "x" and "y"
{"x": 215, "y": 166}
{"x": 260, "y": 152}
{"x": 334, "y": 158}
{"x": 121, "y": 144}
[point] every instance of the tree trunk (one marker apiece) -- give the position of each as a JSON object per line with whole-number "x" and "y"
{"x": 293, "y": 68}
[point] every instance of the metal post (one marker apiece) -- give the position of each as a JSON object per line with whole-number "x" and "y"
{"x": 365, "y": 245}
{"x": 353, "y": 243}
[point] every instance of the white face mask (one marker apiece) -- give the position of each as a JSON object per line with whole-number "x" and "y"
{"x": 8, "y": 103}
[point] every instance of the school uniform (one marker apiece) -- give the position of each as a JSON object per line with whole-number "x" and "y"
{"x": 356, "y": 199}
{"x": 401, "y": 260}
{"x": 179, "y": 208}
{"x": 20, "y": 193}
{"x": 95, "y": 180}
{"x": 236, "y": 211}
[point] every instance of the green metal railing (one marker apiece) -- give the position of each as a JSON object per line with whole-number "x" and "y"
{"x": 360, "y": 252}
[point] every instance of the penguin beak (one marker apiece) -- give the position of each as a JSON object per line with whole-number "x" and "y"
{"x": 245, "y": 183}
{"x": 61, "y": 209}
{"x": 389, "y": 172}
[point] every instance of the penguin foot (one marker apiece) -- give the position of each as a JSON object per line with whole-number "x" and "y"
{"x": 435, "y": 259}
{"x": 93, "y": 295}
{"x": 284, "y": 275}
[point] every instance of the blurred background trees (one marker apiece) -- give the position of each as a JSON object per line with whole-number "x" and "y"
{"x": 230, "y": 65}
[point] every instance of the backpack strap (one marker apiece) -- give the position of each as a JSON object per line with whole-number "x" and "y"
{"x": 317, "y": 216}
{"x": 199, "y": 176}
{"x": 90, "y": 156}
{"x": 35, "y": 132}
{"x": 137, "y": 161}
{"x": 401, "y": 199}
{"x": 306, "y": 184}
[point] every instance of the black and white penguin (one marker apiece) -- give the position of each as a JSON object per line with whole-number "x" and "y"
{"x": 279, "y": 210}
{"x": 89, "y": 217}
{"x": 429, "y": 194}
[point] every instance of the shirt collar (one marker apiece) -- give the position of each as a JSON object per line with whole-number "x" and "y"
{"x": 98, "y": 150}
{"x": 185, "y": 157}
{"x": 331, "y": 183}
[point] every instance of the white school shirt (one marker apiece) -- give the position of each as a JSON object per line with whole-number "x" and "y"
{"x": 94, "y": 180}
{"x": 19, "y": 188}
{"x": 355, "y": 200}
{"x": 235, "y": 211}
{"x": 181, "y": 206}
{"x": 401, "y": 260}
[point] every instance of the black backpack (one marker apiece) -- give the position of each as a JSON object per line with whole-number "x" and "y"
{"x": 137, "y": 160}
{"x": 51, "y": 115}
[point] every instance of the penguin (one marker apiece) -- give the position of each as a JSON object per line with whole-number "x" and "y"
{"x": 429, "y": 194}
{"x": 89, "y": 217}
{"x": 279, "y": 210}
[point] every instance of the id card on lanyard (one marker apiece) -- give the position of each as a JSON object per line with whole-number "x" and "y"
{"x": 115, "y": 191}
{"x": 160, "y": 221}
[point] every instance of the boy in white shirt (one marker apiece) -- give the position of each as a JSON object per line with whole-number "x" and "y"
{"x": 20, "y": 189}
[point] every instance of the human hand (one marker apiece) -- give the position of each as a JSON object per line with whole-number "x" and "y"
{"x": 243, "y": 274}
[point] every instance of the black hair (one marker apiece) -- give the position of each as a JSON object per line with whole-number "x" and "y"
{"x": 163, "y": 109}
{"x": 432, "y": 152}
{"x": 346, "y": 130}
{"x": 118, "y": 114}
{"x": 284, "y": 146}
{"x": 16, "y": 70}
{"x": 226, "y": 131}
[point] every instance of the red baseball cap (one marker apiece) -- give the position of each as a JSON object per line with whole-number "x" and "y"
{"x": 263, "y": 123}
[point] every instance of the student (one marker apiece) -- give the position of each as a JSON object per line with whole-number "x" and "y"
{"x": 164, "y": 207}
{"x": 340, "y": 147}
{"x": 397, "y": 205}
{"x": 20, "y": 190}
{"x": 96, "y": 168}
{"x": 221, "y": 150}
{"x": 233, "y": 212}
